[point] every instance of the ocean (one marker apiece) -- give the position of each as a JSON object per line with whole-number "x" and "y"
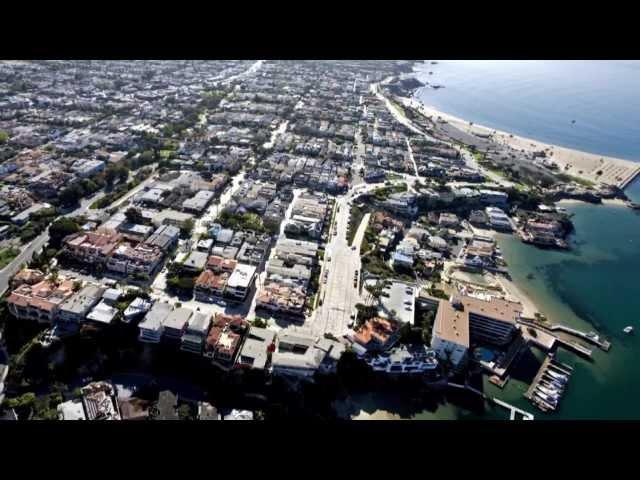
{"x": 594, "y": 285}
{"x": 540, "y": 99}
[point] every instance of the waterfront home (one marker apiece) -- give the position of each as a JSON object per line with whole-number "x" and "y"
{"x": 175, "y": 323}
{"x": 405, "y": 360}
{"x": 195, "y": 333}
{"x": 256, "y": 348}
{"x": 224, "y": 340}
{"x": 377, "y": 334}
{"x": 151, "y": 326}
{"x": 77, "y": 307}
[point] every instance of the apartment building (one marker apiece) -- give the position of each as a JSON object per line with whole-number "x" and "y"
{"x": 92, "y": 247}
{"x": 128, "y": 260}
{"x": 40, "y": 301}
{"x": 464, "y": 318}
{"x": 283, "y": 298}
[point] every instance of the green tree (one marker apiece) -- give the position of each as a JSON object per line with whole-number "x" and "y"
{"x": 134, "y": 215}
{"x": 4, "y": 137}
{"x": 187, "y": 227}
{"x": 60, "y": 229}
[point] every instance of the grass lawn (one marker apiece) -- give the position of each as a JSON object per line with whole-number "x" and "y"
{"x": 7, "y": 255}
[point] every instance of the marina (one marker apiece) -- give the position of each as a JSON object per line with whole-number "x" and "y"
{"x": 549, "y": 384}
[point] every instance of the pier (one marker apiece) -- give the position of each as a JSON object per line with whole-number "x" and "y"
{"x": 513, "y": 410}
{"x": 589, "y": 337}
{"x": 567, "y": 343}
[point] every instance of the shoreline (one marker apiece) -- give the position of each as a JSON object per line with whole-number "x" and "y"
{"x": 585, "y": 165}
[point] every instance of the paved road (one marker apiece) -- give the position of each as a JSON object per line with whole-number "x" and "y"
{"x": 413, "y": 162}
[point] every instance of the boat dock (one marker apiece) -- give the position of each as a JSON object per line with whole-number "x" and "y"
{"x": 552, "y": 376}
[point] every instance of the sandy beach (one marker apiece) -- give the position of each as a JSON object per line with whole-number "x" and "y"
{"x": 589, "y": 166}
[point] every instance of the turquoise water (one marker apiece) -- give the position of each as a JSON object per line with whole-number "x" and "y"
{"x": 539, "y": 100}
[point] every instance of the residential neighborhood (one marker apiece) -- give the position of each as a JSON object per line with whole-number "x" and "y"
{"x": 179, "y": 238}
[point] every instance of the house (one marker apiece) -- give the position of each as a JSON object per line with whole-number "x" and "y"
{"x": 478, "y": 217}
{"x": 129, "y": 260}
{"x": 166, "y": 408}
{"x": 87, "y": 168}
{"x": 403, "y": 204}
{"x": 405, "y": 360}
{"x": 204, "y": 245}
{"x": 100, "y": 401}
{"x": 23, "y": 217}
{"x": 164, "y": 237}
{"x": 133, "y": 408}
{"x": 438, "y": 243}
{"x": 210, "y": 286}
{"x": 111, "y": 296}
{"x": 224, "y": 236}
{"x": 172, "y": 217}
{"x": 241, "y": 281}
{"x": 280, "y": 297}
{"x": 102, "y": 313}
{"x": 206, "y": 411}
{"x": 224, "y": 340}
{"x": 196, "y": 261}
{"x": 135, "y": 232}
{"x": 448, "y": 220}
{"x": 77, "y": 307}
{"x": 239, "y": 415}
{"x": 199, "y": 202}
{"x": 152, "y": 325}
{"x": 28, "y": 276}
{"x": 377, "y": 334}
{"x": 136, "y": 309}
{"x": 301, "y": 355}
{"x": 71, "y": 410}
{"x": 493, "y": 197}
{"x": 256, "y": 348}
{"x": 175, "y": 323}
{"x": 498, "y": 219}
{"x": 195, "y": 333}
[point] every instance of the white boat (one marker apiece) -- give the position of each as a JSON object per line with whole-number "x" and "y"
{"x": 628, "y": 330}
{"x": 550, "y": 400}
{"x": 549, "y": 391}
{"x": 558, "y": 376}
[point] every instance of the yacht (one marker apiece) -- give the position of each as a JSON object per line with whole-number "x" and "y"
{"x": 628, "y": 329}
